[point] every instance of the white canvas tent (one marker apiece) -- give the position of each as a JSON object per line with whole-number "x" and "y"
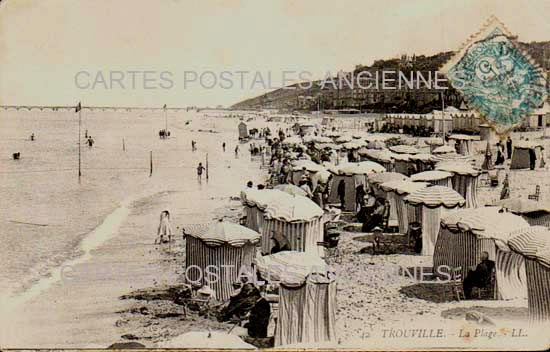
{"x": 307, "y": 297}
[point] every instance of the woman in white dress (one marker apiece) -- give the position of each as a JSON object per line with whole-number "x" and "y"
{"x": 164, "y": 232}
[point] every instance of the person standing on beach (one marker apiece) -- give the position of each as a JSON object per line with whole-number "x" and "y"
{"x": 200, "y": 169}
{"x": 236, "y": 152}
{"x": 223, "y": 146}
{"x": 164, "y": 231}
{"x": 509, "y": 147}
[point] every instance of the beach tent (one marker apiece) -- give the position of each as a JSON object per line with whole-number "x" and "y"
{"x": 223, "y": 247}
{"x": 376, "y": 180}
{"x": 465, "y": 143}
{"x": 243, "y": 131}
{"x": 434, "y": 200}
{"x": 534, "y": 212}
{"x": 402, "y": 163}
{"x": 198, "y": 340}
{"x": 406, "y": 213}
{"x": 296, "y": 218}
{"x": 315, "y": 171}
{"x": 534, "y": 247}
{"x": 307, "y": 297}
{"x": 466, "y": 234}
{"x": 434, "y": 177}
{"x": 255, "y": 202}
{"x": 423, "y": 162}
{"x": 290, "y": 189}
{"x": 444, "y": 149}
{"x": 353, "y": 175}
{"x": 381, "y": 156}
{"x": 520, "y": 155}
{"x": 464, "y": 180}
{"x": 454, "y": 157}
{"x": 404, "y": 149}
{"x": 344, "y": 139}
{"x": 433, "y": 143}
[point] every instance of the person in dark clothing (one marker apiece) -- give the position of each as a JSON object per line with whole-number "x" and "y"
{"x": 509, "y": 147}
{"x": 480, "y": 277}
{"x": 532, "y": 158}
{"x": 360, "y": 197}
{"x": 376, "y": 217}
{"x": 279, "y": 243}
{"x": 258, "y": 320}
{"x": 500, "y": 154}
{"x": 341, "y": 190}
{"x": 241, "y": 304}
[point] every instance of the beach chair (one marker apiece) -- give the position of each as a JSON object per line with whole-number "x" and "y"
{"x": 457, "y": 283}
{"x": 536, "y": 195}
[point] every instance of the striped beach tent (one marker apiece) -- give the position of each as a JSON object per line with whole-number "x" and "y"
{"x": 381, "y": 156}
{"x": 311, "y": 167}
{"x": 433, "y": 143}
{"x": 296, "y": 218}
{"x": 434, "y": 177}
{"x": 465, "y": 234}
{"x": 376, "y": 180}
{"x": 453, "y": 157}
{"x": 534, "y": 246}
{"x": 444, "y": 149}
{"x": 307, "y": 297}
{"x": 404, "y": 149}
{"x": 423, "y": 162}
{"x": 464, "y": 180}
{"x": 220, "y": 248}
{"x": 406, "y": 213}
{"x": 465, "y": 143}
{"x": 536, "y": 213}
{"x": 434, "y": 200}
{"x": 255, "y": 202}
{"x": 291, "y": 189}
{"x": 402, "y": 163}
{"x": 353, "y": 175}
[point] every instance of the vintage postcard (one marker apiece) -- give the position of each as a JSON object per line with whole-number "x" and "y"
{"x": 286, "y": 174}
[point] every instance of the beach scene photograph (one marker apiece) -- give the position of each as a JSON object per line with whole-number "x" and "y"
{"x": 274, "y": 175}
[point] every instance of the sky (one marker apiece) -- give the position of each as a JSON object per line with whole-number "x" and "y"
{"x": 189, "y": 53}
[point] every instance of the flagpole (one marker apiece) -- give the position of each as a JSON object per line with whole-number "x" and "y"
{"x": 165, "y": 119}
{"x": 79, "y": 153}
